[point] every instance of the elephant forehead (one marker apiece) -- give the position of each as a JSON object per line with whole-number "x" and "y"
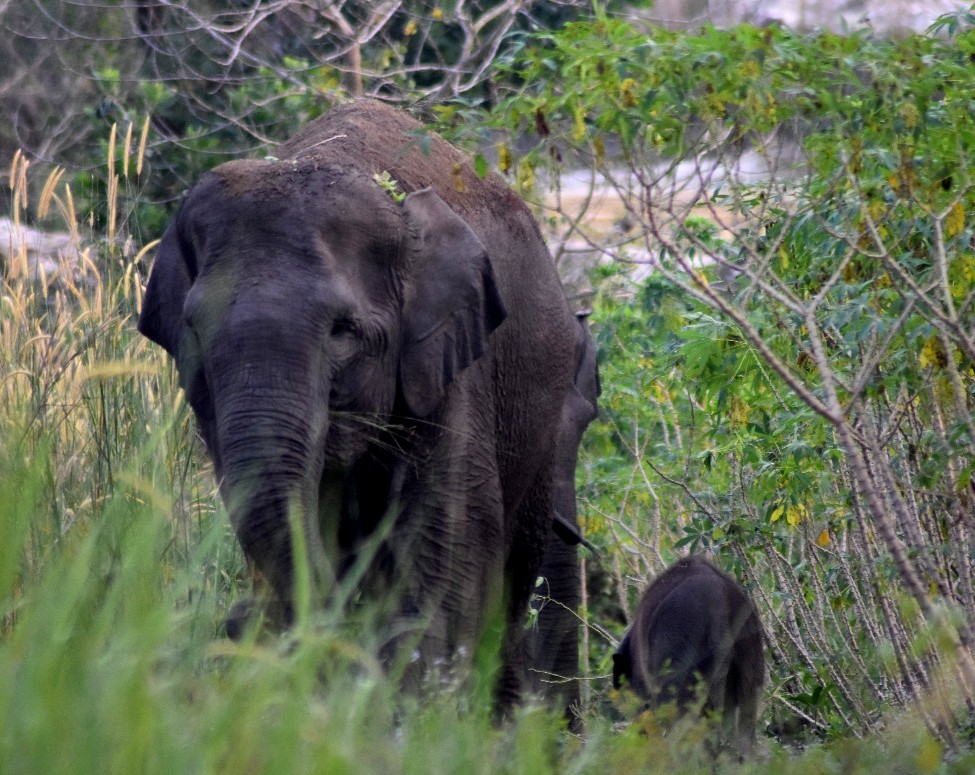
{"x": 300, "y": 212}
{"x": 303, "y": 186}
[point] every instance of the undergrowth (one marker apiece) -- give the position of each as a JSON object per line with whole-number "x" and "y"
{"x": 117, "y": 567}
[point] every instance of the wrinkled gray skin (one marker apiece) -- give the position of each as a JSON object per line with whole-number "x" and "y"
{"x": 375, "y": 368}
{"x": 555, "y": 640}
{"x": 695, "y": 624}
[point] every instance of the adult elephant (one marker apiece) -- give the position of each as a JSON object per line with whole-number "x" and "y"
{"x": 554, "y": 644}
{"x": 376, "y": 370}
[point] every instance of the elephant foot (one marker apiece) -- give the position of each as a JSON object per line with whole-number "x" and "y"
{"x": 249, "y": 612}
{"x": 240, "y": 616}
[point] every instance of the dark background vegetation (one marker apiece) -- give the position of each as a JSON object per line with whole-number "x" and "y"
{"x": 784, "y": 301}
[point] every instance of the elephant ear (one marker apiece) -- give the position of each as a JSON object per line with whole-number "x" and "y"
{"x": 451, "y": 302}
{"x": 161, "y": 319}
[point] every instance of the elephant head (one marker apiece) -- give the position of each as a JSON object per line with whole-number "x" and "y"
{"x": 308, "y": 313}
{"x": 695, "y": 628}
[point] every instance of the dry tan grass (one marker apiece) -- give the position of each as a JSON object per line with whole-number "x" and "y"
{"x": 74, "y": 376}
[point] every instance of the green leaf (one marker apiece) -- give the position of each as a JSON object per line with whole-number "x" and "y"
{"x": 480, "y": 166}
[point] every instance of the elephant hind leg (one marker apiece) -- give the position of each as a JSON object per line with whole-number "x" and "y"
{"x": 743, "y": 701}
{"x": 240, "y": 617}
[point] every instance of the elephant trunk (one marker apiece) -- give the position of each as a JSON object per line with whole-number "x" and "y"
{"x": 272, "y": 465}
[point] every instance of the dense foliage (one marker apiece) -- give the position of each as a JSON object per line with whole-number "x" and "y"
{"x": 792, "y": 386}
{"x": 785, "y": 308}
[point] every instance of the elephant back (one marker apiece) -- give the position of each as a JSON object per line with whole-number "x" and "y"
{"x": 375, "y": 138}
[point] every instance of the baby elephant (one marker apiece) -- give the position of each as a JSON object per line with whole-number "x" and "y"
{"x": 696, "y": 634}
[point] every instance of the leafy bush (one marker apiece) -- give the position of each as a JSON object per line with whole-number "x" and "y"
{"x": 792, "y": 387}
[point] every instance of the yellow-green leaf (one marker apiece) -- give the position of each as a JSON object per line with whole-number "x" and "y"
{"x": 932, "y": 355}
{"x": 794, "y": 514}
{"x": 909, "y": 114}
{"x": 626, "y": 93}
{"x": 504, "y": 158}
{"x": 955, "y": 220}
{"x": 599, "y": 148}
{"x": 456, "y": 174}
{"x": 579, "y": 124}
{"x": 929, "y": 756}
{"x": 525, "y": 176}
{"x": 738, "y": 411}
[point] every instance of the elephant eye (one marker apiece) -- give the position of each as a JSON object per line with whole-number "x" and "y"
{"x": 342, "y": 327}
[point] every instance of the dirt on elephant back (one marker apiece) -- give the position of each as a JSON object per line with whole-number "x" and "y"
{"x": 360, "y": 131}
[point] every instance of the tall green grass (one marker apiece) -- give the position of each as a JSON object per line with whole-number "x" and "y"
{"x": 116, "y": 568}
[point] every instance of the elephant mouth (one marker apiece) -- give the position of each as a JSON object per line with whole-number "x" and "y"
{"x": 351, "y": 507}
{"x": 332, "y": 484}
{"x": 351, "y": 434}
